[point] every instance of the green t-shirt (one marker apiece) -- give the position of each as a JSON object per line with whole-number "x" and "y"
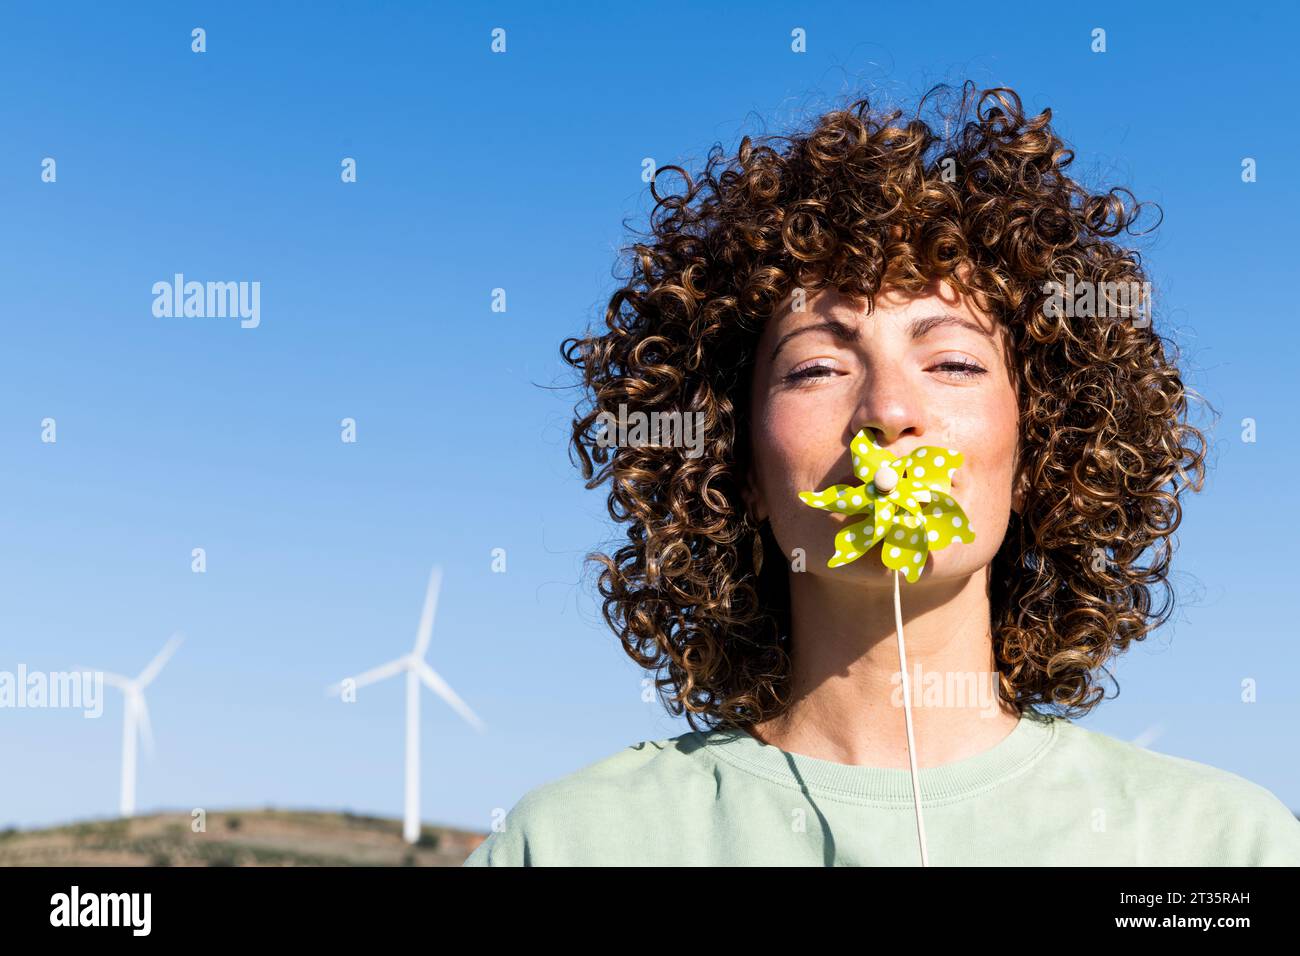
{"x": 1049, "y": 794}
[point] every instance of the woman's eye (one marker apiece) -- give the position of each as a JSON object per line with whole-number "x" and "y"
{"x": 962, "y": 369}
{"x": 808, "y": 372}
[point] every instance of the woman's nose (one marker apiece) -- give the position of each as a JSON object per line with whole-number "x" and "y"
{"x": 887, "y": 418}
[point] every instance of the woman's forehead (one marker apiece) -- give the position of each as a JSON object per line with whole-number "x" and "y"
{"x": 896, "y": 303}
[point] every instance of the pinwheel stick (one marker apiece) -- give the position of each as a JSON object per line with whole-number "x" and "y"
{"x": 905, "y": 505}
{"x": 907, "y": 715}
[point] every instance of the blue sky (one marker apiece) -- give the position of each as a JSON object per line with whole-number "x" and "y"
{"x": 479, "y": 171}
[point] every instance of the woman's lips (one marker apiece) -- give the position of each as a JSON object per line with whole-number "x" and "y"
{"x": 855, "y": 482}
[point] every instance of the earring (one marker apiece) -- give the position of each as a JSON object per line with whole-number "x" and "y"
{"x": 758, "y": 547}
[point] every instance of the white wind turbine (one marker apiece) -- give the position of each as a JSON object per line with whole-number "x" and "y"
{"x": 417, "y": 670}
{"x": 136, "y": 719}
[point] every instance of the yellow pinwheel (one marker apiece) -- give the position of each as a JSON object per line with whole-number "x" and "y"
{"x": 906, "y": 503}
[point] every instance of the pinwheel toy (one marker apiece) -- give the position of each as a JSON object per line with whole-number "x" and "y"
{"x": 906, "y": 502}
{"x": 906, "y": 506}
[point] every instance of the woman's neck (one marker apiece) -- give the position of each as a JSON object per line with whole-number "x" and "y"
{"x": 846, "y": 695}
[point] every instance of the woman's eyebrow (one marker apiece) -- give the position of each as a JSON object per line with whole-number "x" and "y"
{"x": 924, "y": 326}
{"x": 843, "y": 332}
{"x": 920, "y": 328}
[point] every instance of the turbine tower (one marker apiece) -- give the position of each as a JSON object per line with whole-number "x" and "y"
{"x": 417, "y": 669}
{"x": 136, "y": 719}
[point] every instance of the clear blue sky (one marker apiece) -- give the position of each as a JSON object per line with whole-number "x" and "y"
{"x": 479, "y": 171}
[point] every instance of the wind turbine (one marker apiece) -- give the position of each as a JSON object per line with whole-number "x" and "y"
{"x": 417, "y": 670}
{"x": 136, "y": 719}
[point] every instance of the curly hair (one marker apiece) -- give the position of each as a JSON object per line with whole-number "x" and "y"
{"x": 863, "y": 201}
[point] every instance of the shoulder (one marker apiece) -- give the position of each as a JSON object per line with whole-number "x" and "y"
{"x": 1221, "y": 815}
{"x": 590, "y": 809}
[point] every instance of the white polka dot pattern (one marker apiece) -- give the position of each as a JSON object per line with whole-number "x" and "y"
{"x": 917, "y": 517}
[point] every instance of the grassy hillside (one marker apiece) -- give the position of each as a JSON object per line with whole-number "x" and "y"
{"x": 237, "y": 838}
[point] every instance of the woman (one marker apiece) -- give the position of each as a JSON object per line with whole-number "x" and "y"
{"x": 873, "y": 281}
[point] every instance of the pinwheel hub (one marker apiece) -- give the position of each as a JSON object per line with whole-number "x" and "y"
{"x": 885, "y": 479}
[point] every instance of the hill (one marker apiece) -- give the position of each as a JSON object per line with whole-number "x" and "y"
{"x": 266, "y": 837}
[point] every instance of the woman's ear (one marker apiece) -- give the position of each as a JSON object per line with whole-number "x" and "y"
{"x": 1018, "y": 492}
{"x": 754, "y": 499}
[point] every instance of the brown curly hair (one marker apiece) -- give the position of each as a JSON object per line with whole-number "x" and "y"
{"x": 859, "y": 202}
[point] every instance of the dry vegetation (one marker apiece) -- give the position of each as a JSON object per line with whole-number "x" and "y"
{"x": 237, "y": 838}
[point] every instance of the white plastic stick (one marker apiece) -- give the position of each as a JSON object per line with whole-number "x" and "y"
{"x": 907, "y": 713}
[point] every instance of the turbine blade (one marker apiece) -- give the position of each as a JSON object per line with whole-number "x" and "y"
{"x": 441, "y": 688}
{"x": 1148, "y": 736}
{"x": 374, "y": 674}
{"x": 425, "y": 632}
{"x": 155, "y": 665}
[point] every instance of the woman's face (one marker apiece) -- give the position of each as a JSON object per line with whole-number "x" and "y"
{"x": 928, "y": 369}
